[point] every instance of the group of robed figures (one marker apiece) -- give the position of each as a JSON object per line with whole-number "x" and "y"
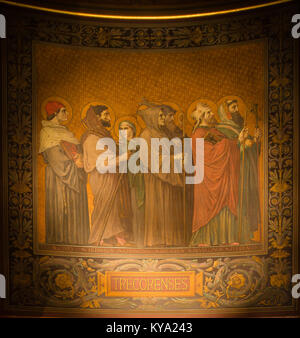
{"x": 151, "y": 209}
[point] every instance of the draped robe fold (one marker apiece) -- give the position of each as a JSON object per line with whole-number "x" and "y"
{"x": 249, "y": 199}
{"x": 112, "y": 213}
{"x": 164, "y": 221}
{"x": 66, "y": 207}
{"x": 216, "y": 198}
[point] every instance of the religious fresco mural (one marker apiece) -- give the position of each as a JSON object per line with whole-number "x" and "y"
{"x": 79, "y": 206}
{"x": 135, "y": 243}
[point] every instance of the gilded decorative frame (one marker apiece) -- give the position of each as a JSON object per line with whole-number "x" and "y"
{"x": 32, "y": 285}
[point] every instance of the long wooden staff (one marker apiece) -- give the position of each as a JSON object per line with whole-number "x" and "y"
{"x": 257, "y": 152}
{"x": 255, "y": 112}
{"x": 242, "y": 184}
{"x": 184, "y": 192}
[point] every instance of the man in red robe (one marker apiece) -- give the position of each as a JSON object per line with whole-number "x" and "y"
{"x": 216, "y": 197}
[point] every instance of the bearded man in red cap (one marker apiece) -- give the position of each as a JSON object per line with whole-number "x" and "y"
{"x": 66, "y": 207}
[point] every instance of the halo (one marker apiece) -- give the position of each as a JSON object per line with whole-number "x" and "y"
{"x": 241, "y": 103}
{"x": 179, "y": 119}
{"x": 192, "y": 107}
{"x": 140, "y": 121}
{"x": 98, "y": 103}
{"x": 61, "y": 100}
{"x": 128, "y": 118}
{"x": 141, "y": 107}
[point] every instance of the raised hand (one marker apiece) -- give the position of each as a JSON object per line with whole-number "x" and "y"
{"x": 243, "y": 135}
{"x": 257, "y": 135}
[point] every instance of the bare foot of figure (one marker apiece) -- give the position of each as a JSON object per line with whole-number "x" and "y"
{"x": 234, "y": 243}
{"x": 202, "y": 245}
{"x": 121, "y": 241}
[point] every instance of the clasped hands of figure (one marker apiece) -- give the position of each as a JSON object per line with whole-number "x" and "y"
{"x": 244, "y": 136}
{"x": 78, "y": 160}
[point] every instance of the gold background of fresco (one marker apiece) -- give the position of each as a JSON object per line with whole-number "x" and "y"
{"x": 121, "y": 79}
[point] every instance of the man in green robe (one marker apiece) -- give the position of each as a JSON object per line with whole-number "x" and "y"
{"x": 232, "y": 125}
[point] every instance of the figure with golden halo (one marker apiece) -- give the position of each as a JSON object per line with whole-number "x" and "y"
{"x": 171, "y": 129}
{"x": 164, "y": 225}
{"x": 233, "y": 125}
{"x": 216, "y": 197}
{"x": 111, "y": 217}
{"x": 137, "y": 186}
{"x": 67, "y": 217}
{"x": 174, "y": 129}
